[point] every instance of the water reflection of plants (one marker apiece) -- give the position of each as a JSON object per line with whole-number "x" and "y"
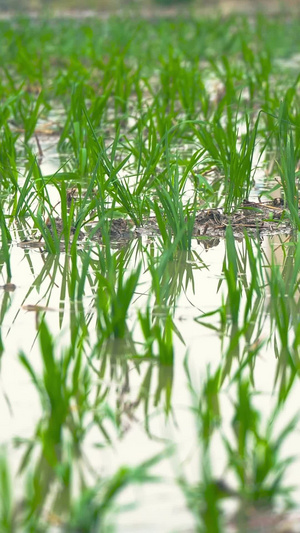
{"x": 247, "y": 275}
{"x": 258, "y": 292}
{"x": 253, "y": 461}
{"x": 55, "y": 457}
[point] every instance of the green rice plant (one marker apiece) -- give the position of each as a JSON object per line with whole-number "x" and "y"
{"x": 160, "y": 279}
{"x": 168, "y": 82}
{"x": 25, "y": 108}
{"x": 230, "y": 74}
{"x": 71, "y": 225}
{"x": 14, "y": 101}
{"x": 8, "y": 164}
{"x": 99, "y": 104}
{"x": 124, "y": 79}
{"x": 207, "y": 409}
{"x": 34, "y": 201}
{"x": 1, "y": 345}
{"x": 31, "y": 190}
{"x": 231, "y": 156}
{"x": 164, "y": 117}
{"x": 74, "y": 133}
{"x": 5, "y": 240}
{"x": 173, "y": 217}
{"x": 91, "y": 509}
{"x": 31, "y": 115}
{"x": 287, "y": 168}
{"x": 49, "y": 232}
{"x": 5, "y": 107}
{"x": 118, "y": 189}
{"x": 204, "y": 499}
{"x": 146, "y": 149}
{"x": 258, "y": 71}
{"x": 151, "y": 149}
{"x": 191, "y": 89}
{"x": 281, "y": 115}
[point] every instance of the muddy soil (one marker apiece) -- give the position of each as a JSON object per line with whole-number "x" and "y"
{"x": 257, "y": 218}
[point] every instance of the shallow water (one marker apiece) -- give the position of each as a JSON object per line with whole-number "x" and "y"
{"x": 162, "y": 504}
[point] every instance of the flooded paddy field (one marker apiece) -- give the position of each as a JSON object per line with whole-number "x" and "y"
{"x": 149, "y": 222}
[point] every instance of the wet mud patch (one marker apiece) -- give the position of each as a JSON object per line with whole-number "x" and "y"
{"x": 252, "y": 217}
{"x": 263, "y": 218}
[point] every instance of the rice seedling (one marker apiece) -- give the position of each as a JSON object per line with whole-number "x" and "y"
{"x": 287, "y": 167}
{"x": 173, "y": 218}
{"x": 231, "y": 155}
{"x": 8, "y": 155}
{"x": 5, "y": 240}
{"x": 119, "y": 191}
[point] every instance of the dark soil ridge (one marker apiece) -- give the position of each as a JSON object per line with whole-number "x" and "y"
{"x": 262, "y": 218}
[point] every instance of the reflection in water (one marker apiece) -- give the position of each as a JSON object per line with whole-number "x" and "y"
{"x": 118, "y": 365}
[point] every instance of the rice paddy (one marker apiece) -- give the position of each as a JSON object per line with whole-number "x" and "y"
{"x": 149, "y": 290}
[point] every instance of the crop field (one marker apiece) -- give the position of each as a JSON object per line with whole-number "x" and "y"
{"x": 149, "y": 263}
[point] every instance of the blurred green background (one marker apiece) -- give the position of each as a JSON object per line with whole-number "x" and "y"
{"x": 113, "y": 5}
{"x": 110, "y": 5}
